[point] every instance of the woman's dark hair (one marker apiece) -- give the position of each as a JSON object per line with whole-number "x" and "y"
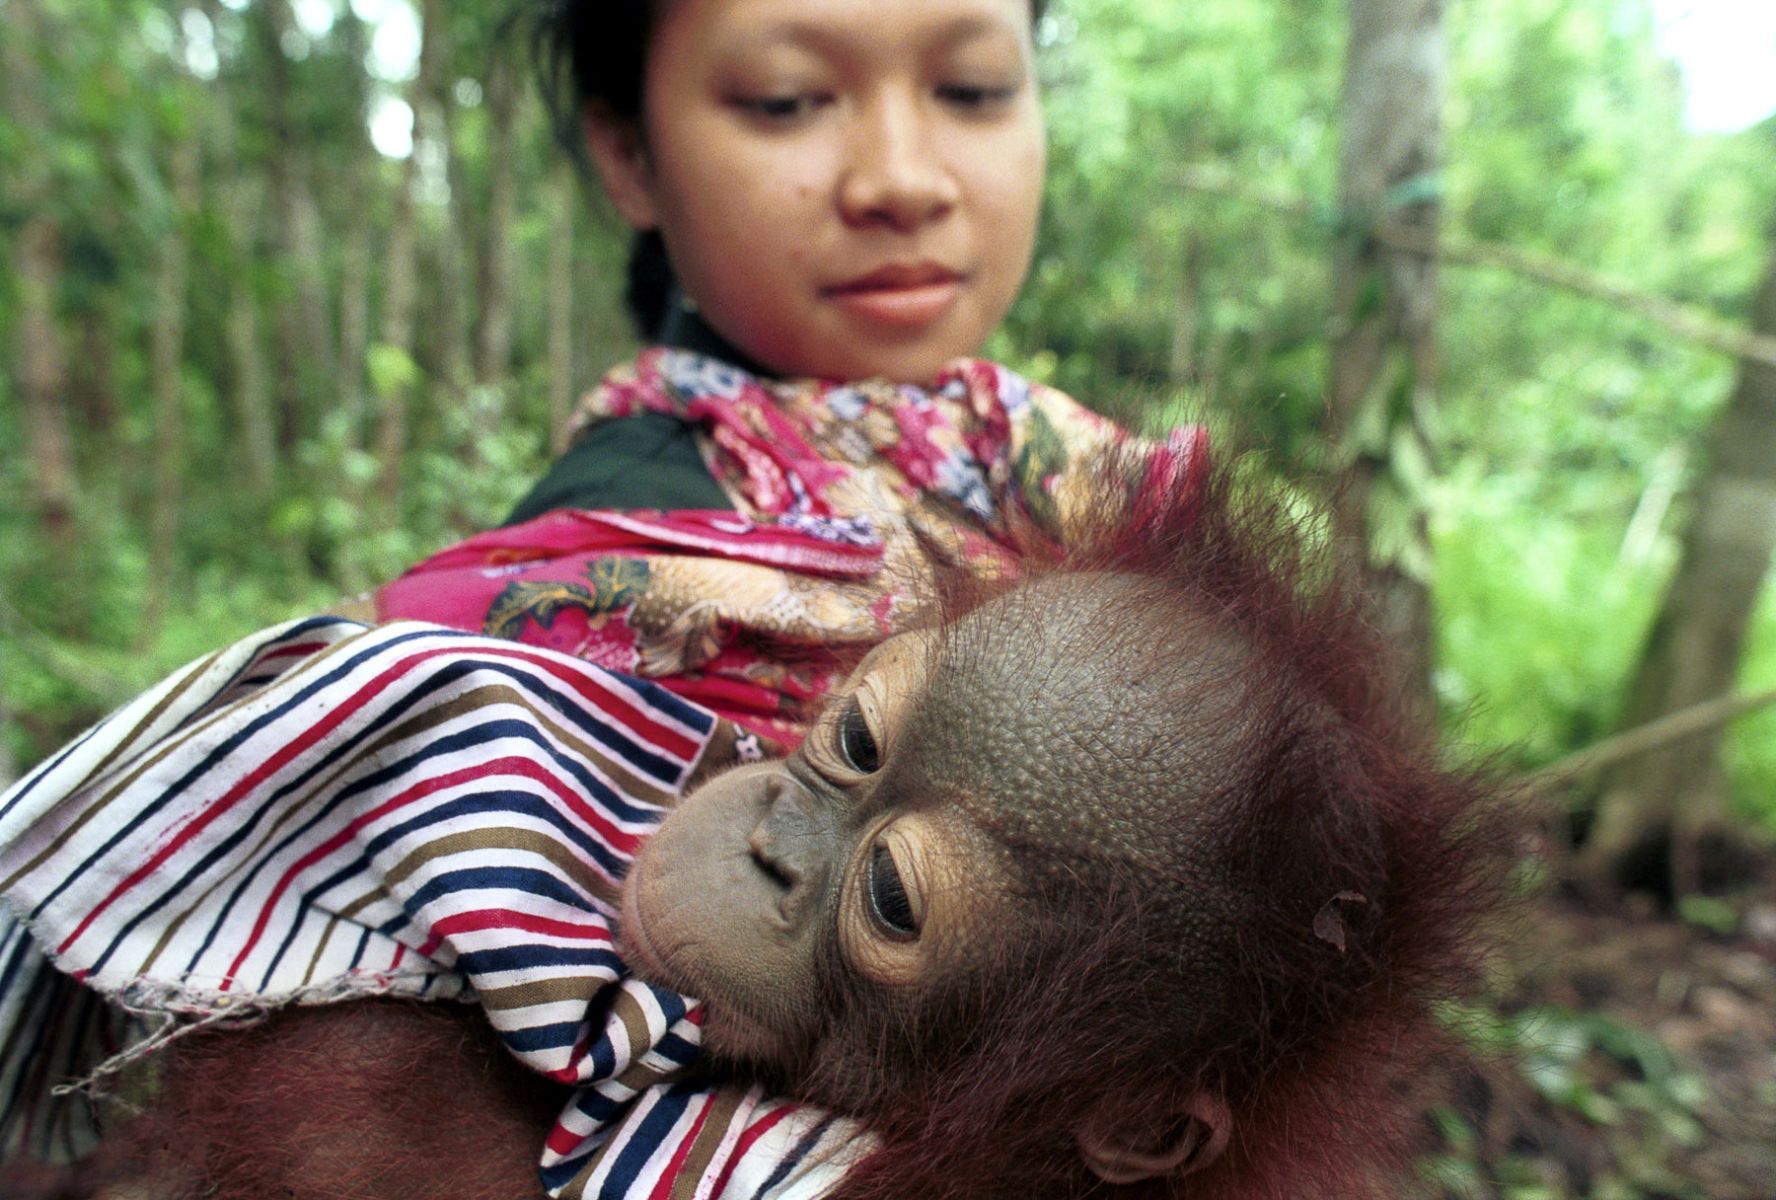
{"x": 595, "y": 51}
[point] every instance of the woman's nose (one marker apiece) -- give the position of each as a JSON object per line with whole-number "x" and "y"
{"x": 894, "y": 175}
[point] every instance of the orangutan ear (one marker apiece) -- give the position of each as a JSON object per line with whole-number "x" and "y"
{"x": 1119, "y": 1151}
{"x": 620, "y": 154}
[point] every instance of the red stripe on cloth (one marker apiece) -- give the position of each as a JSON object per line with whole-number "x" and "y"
{"x": 581, "y": 1048}
{"x": 754, "y": 1132}
{"x": 293, "y": 650}
{"x": 610, "y": 701}
{"x": 511, "y": 918}
{"x": 562, "y": 1140}
{"x": 202, "y": 819}
{"x": 663, "y": 1186}
{"x": 499, "y": 767}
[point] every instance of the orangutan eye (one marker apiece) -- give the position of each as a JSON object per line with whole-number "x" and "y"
{"x": 889, "y": 905}
{"x": 856, "y": 745}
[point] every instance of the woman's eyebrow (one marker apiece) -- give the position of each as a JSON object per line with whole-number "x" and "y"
{"x": 832, "y": 37}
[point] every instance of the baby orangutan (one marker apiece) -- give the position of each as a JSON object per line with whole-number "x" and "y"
{"x": 1131, "y": 875}
{"x": 1131, "y": 879}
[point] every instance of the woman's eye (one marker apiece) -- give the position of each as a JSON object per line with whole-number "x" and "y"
{"x": 967, "y": 95}
{"x": 780, "y": 108}
{"x": 856, "y": 745}
{"x": 889, "y": 905}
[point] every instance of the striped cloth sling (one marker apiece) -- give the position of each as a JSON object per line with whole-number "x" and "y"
{"x": 327, "y": 811}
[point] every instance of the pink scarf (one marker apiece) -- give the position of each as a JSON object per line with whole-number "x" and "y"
{"x": 842, "y": 492}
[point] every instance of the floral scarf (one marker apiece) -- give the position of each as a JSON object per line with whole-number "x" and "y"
{"x": 843, "y": 494}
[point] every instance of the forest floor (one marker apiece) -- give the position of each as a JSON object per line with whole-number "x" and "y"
{"x": 1630, "y": 1054}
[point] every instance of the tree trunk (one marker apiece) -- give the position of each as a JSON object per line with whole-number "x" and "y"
{"x": 242, "y": 195}
{"x": 392, "y": 367}
{"x": 1184, "y": 365}
{"x": 1384, "y": 348}
{"x": 1673, "y": 796}
{"x": 250, "y": 394}
{"x": 493, "y": 340}
{"x": 354, "y": 318}
{"x": 304, "y": 256}
{"x": 40, "y": 352}
{"x": 305, "y": 350}
{"x": 449, "y": 288}
{"x": 43, "y": 378}
{"x": 363, "y": 169}
{"x": 93, "y": 398}
{"x": 166, "y": 368}
{"x": 565, "y": 199}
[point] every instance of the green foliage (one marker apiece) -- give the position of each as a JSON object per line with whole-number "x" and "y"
{"x": 1710, "y": 913}
{"x": 1751, "y": 746}
{"x": 1537, "y": 616}
{"x": 1584, "y": 1066}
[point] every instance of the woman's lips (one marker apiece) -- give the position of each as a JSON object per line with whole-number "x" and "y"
{"x": 906, "y": 297}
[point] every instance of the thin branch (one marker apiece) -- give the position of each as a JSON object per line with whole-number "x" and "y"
{"x": 1662, "y": 731}
{"x": 1684, "y": 320}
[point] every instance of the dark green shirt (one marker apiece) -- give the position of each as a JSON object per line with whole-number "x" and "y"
{"x": 650, "y": 460}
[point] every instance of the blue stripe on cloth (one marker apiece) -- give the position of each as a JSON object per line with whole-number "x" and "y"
{"x": 652, "y": 695}
{"x": 532, "y": 1038}
{"x": 665, "y": 769}
{"x": 520, "y": 958}
{"x": 677, "y": 1048}
{"x": 601, "y": 1058}
{"x": 530, "y": 881}
{"x": 673, "y": 1005}
{"x": 358, "y": 954}
{"x": 19, "y": 949}
{"x": 621, "y": 808}
{"x": 203, "y": 768}
{"x": 342, "y": 748}
{"x": 598, "y": 1107}
{"x": 644, "y": 1139}
{"x": 558, "y": 1176}
{"x": 47, "y": 769}
{"x": 302, "y": 917}
{"x": 520, "y": 803}
{"x": 789, "y": 1161}
{"x": 517, "y": 802}
{"x": 294, "y": 633}
{"x": 23, "y": 955}
{"x": 575, "y": 709}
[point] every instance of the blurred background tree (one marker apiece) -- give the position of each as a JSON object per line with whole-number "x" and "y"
{"x": 297, "y": 291}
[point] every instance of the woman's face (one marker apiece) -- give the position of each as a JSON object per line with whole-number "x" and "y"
{"x": 846, "y": 188}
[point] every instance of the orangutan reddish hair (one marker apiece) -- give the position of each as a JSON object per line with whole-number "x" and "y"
{"x": 1132, "y": 878}
{"x": 1325, "y": 883}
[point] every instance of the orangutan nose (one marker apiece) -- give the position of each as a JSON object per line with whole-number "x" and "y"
{"x": 793, "y": 844}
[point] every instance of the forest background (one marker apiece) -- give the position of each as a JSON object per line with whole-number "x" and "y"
{"x": 288, "y": 306}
